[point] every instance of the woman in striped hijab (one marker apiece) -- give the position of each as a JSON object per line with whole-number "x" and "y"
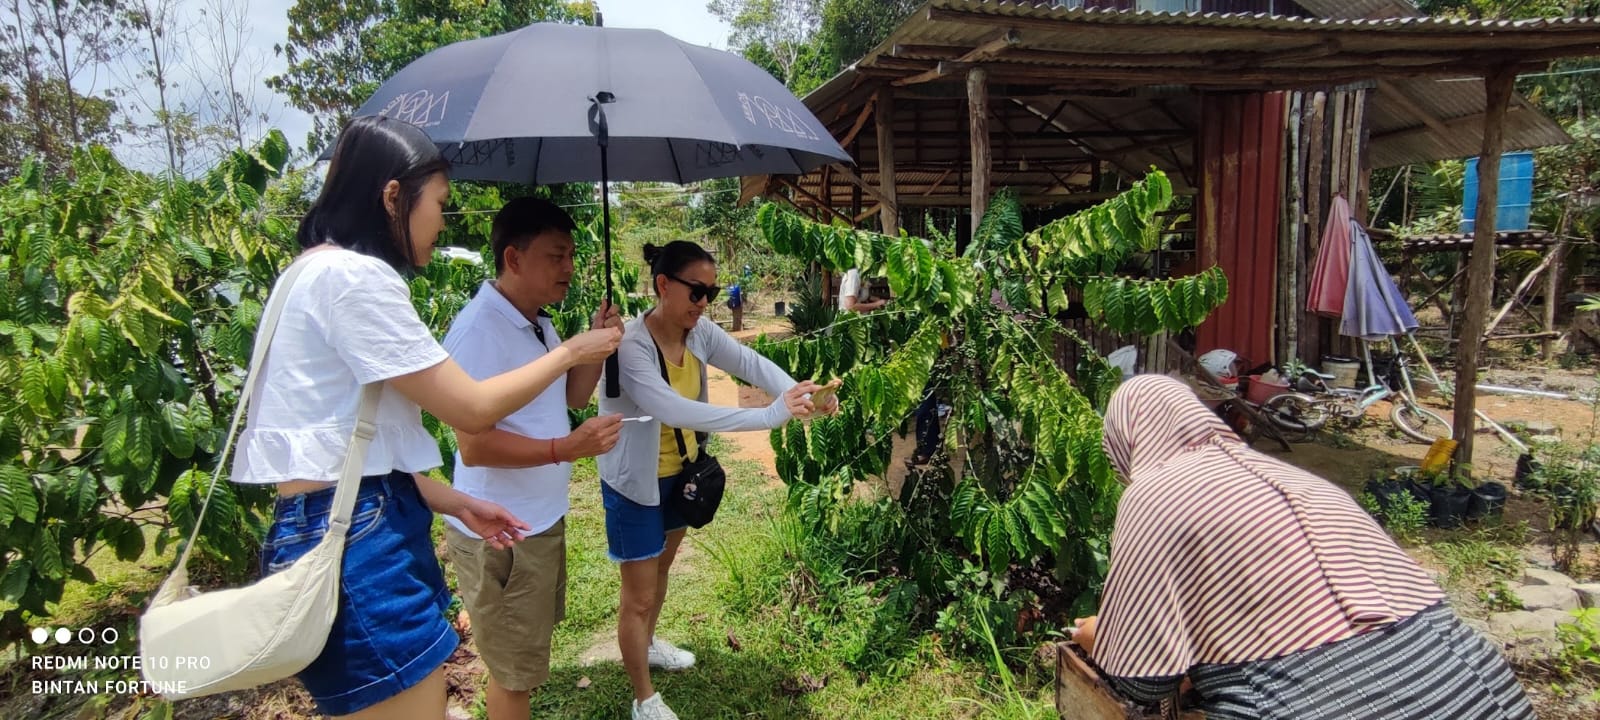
{"x": 1268, "y": 587}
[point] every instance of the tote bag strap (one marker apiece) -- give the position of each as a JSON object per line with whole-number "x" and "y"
{"x": 344, "y": 498}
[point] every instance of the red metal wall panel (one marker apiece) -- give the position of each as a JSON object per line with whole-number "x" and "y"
{"x": 1241, "y": 143}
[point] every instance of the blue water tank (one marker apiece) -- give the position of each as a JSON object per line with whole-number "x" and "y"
{"x": 1516, "y": 193}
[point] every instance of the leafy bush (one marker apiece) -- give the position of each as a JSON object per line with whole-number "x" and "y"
{"x": 1580, "y": 644}
{"x": 128, "y": 303}
{"x": 1035, "y": 490}
{"x": 1405, "y": 517}
{"x": 1570, "y": 479}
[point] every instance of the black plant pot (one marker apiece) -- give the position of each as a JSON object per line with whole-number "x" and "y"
{"x": 1488, "y": 500}
{"x": 1385, "y": 492}
{"x": 777, "y": 309}
{"x": 1526, "y": 466}
{"x": 1421, "y": 492}
{"x": 1449, "y": 506}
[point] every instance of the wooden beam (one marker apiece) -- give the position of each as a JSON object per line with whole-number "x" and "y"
{"x": 815, "y": 201}
{"x": 861, "y": 121}
{"x": 1405, "y": 102}
{"x": 955, "y": 200}
{"x": 1062, "y": 30}
{"x": 978, "y": 112}
{"x": 1001, "y": 71}
{"x": 987, "y": 50}
{"x": 851, "y": 177}
{"x": 1498, "y": 88}
{"x": 864, "y": 214}
{"x": 887, "y": 194}
{"x": 1516, "y": 295}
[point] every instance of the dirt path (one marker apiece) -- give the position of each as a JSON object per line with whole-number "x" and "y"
{"x": 750, "y": 446}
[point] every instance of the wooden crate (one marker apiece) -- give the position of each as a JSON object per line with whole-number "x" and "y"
{"x": 1081, "y": 694}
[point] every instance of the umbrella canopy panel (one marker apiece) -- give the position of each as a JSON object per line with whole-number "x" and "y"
{"x": 519, "y": 107}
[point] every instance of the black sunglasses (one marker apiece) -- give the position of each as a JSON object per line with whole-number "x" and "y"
{"x": 697, "y": 291}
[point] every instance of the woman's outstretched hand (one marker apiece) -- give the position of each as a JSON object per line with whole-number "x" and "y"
{"x": 796, "y": 399}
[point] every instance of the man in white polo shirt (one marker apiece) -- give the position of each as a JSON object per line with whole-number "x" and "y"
{"x": 515, "y": 597}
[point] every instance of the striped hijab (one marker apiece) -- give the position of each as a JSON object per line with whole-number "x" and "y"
{"x": 1223, "y": 555}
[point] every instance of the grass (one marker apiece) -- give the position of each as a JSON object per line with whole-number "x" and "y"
{"x": 766, "y": 648}
{"x": 775, "y": 637}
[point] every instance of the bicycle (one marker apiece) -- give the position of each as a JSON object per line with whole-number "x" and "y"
{"x": 1300, "y": 414}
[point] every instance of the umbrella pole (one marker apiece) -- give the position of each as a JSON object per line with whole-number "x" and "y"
{"x": 603, "y": 134}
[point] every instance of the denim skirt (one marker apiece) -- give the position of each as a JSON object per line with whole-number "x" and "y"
{"x": 390, "y": 631}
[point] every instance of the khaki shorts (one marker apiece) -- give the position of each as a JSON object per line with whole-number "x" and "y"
{"x": 515, "y": 598}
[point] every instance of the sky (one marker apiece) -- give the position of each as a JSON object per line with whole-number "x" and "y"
{"x": 685, "y": 19}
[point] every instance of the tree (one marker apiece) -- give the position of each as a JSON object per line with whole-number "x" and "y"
{"x": 81, "y": 35}
{"x": 160, "y": 37}
{"x": 1028, "y": 487}
{"x": 44, "y": 49}
{"x": 33, "y": 123}
{"x": 852, "y": 28}
{"x": 233, "y": 96}
{"x": 773, "y": 33}
{"x": 340, "y": 52}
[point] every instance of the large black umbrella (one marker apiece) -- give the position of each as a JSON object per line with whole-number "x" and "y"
{"x": 553, "y": 103}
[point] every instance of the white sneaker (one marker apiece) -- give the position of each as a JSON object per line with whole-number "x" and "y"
{"x": 667, "y": 656}
{"x": 653, "y": 708}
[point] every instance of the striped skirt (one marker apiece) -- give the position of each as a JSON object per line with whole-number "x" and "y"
{"x": 1428, "y": 666}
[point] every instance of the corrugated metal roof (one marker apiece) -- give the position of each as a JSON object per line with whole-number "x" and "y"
{"x": 970, "y": 23}
{"x": 1360, "y": 8}
{"x": 1141, "y": 72}
{"x": 1258, "y": 21}
{"x": 1400, "y": 137}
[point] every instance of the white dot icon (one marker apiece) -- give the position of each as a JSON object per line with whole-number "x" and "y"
{"x": 63, "y": 635}
{"x": 40, "y": 635}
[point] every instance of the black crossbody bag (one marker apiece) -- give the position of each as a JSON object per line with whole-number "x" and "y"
{"x": 697, "y": 490}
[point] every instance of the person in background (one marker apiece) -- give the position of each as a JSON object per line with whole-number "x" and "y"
{"x": 855, "y": 295}
{"x": 516, "y": 596}
{"x": 1268, "y": 587}
{"x": 643, "y": 532}
{"x": 349, "y": 322}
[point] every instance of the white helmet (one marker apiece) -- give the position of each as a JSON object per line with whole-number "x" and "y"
{"x": 1221, "y": 363}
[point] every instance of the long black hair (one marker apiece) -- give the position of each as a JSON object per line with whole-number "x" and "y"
{"x": 672, "y": 259}
{"x": 349, "y": 212}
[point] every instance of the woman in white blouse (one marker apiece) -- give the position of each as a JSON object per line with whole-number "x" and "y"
{"x": 348, "y": 321}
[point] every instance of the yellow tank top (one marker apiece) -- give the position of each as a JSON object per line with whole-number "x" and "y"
{"x": 685, "y": 379}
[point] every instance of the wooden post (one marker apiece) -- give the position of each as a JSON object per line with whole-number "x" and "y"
{"x": 1552, "y": 295}
{"x": 890, "y": 216}
{"x": 1316, "y": 201}
{"x": 1480, "y": 268}
{"x": 978, "y": 112}
{"x": 1291, "y": 310}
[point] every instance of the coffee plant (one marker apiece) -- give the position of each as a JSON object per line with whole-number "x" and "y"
{"x": 1026, "y": 483}
{"x": 128, "y": 303}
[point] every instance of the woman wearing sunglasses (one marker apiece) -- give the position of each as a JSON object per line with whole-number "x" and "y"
{"x": 663, "y": 359}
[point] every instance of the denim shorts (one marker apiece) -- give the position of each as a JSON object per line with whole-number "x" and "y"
{"x": 638, "y": 532}
{"x": 390, "y": 631}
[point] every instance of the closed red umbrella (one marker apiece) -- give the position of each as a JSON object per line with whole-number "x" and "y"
{"x": 1331, "y": 276}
